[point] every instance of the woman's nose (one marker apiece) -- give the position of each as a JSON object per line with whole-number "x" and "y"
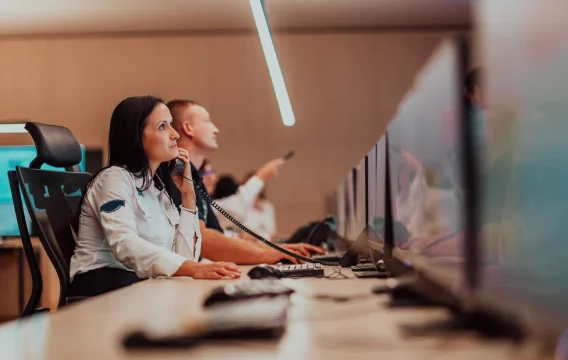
{"x": 174, "y": 134}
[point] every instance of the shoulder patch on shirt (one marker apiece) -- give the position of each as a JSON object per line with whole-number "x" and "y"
{"x": 112, "y": 206}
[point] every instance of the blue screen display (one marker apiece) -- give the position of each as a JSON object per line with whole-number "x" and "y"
{"x": 10, "y": 157}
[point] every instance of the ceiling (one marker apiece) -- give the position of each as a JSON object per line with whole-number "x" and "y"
{"x": 19, "y": 17}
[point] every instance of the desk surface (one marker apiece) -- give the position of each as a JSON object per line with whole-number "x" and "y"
{"x": 360, "y": 329}
{"x": 17, "y": 244}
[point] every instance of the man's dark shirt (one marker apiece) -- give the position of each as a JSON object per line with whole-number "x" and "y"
{"x": 205, "y": 211}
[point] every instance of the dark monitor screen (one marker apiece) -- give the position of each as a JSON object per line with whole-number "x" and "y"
{"x": 425, "y": 165}
{"x": 345, "y": 195}
{"x": 340, "y": 208}
{"x": 376, "y": 178}
{"x": 10, "y": 157}
{"x": 523, "y": 163}
{"x": 360, "y": 199}
{"x": 349, "y": 201}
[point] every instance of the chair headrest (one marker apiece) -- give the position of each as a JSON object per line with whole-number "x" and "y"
{"x": 56, "y": 145}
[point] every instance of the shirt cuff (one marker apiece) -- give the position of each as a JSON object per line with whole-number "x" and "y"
{"x": 188, "y": 228}
{"x": 169, "y": 263}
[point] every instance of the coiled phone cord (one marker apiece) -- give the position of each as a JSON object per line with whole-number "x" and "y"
{"x": 252, "y": 233}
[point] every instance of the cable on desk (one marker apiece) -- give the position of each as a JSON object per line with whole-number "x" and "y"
{"x": 338, "y": 275}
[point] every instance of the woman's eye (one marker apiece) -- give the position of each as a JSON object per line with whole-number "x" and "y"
{"x": 162, "y": 126}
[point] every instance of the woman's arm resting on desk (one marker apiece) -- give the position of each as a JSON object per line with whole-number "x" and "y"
{"x": 217, "y": 270}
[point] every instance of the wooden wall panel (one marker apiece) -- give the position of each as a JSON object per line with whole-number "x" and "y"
{"x": 343, "y": 87}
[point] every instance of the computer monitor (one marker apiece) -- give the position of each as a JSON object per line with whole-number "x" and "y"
{"x": 360, "y": 198}
{"x": 349, "y": 194}
{"x": 523, "y": 163}
{"x": 10, "y": 157}
{"x": 345, "y": 195}
{"x": 356, "y": 189}
{"x": 426, "y": 169}
{"x": 379, "y": 246}
{"x": 340, "y": 209}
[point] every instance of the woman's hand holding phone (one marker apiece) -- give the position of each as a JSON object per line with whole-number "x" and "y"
{"x": 184, "y": 185}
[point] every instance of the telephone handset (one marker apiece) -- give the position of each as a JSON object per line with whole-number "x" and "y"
{"x": 176, "y": 169}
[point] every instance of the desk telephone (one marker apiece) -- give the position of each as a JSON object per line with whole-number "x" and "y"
{"x": 177, "y": 167}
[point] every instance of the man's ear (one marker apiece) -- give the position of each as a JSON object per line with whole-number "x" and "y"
{"x": 187, "y": 129}
{"x": 477, "y": 91}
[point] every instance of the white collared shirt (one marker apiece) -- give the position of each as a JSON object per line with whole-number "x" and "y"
{"x": 140, "y": 231}
{"x": 240, "y": 204}
{"x": 262, "y": 221}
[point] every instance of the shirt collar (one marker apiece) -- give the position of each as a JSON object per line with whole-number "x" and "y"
{"x": 139, "y": 182}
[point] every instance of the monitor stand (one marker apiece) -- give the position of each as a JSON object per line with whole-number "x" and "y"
{"x": 356, "y": 249}
{"x": 489, "y": 325}
{"x": 352, "y": 258}
{"x": 370, "y": 270}
{"x": 405, "y": 292}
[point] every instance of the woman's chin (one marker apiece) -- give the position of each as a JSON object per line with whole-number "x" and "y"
{"x": 174, "y": 154}
{"x": 170, "y": 158}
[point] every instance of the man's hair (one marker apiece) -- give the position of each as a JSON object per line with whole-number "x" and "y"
{"x": 472, "y": 80}
{"x": 176, "y": 106}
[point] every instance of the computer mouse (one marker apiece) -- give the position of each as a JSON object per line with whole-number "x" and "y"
{"x": 264, "y": 271}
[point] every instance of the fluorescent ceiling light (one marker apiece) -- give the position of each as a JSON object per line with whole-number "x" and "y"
{"x": 12, "y": 128}
{"x": 272, "y": 61}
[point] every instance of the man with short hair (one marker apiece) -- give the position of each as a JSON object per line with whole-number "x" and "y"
{"x": 198, "y": 135}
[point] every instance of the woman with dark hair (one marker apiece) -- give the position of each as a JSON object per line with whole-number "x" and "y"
{"x": 128, "y": 227}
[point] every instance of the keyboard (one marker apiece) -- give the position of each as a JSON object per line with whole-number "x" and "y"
{"x": 247, "y": 290}
{"x": 302, "y": 270}
{"x": 331, "y": 256}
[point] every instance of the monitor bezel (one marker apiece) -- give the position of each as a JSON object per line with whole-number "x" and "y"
{"x": 438, "y": 283}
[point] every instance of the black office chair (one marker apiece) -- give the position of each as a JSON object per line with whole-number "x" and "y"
{"x": 52, "y": 199}
{"x": 37, "y": 283}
